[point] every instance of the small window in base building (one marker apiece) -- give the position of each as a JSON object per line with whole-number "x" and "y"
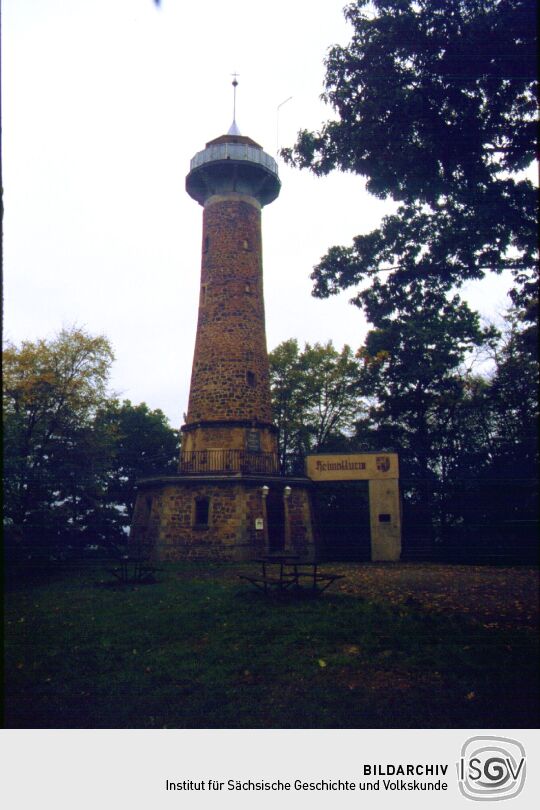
{"x": 384, "y": 518}
{"x": 206, "y": 244}
{"x": 250, "y": 378}
{"x": 202, "y": 511}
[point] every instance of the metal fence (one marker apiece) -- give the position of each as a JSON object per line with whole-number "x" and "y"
{"x": 227, "y": 462}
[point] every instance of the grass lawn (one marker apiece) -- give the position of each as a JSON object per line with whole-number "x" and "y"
{"x": 396, "y": 646}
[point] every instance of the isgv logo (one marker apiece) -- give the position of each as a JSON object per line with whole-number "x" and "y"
{"x": 491, "y": 768}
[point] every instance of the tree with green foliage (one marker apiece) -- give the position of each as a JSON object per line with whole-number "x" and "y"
{"x": 52, "y": 390}
{"x": 468, "y": 441}
{"x": 72, "y": 454}
{"x": 285, "y": 383}
{"x": 413, "y": 369}
{"x": 140, "y": 443}
{"x": 315, "y": 399}
{"x": 513, "y": 470}
{"x": 435, "y": 105}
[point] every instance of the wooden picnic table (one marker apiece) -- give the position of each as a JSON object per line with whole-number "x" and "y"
{"x": 292, "y": 571}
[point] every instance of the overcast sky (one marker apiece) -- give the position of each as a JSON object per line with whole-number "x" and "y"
{"x": 104, "y": 104}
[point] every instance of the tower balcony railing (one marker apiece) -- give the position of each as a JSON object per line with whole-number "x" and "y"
{"x": 227, "y": 462}
{"x": 234, "y": 151}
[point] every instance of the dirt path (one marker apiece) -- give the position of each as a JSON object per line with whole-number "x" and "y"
{"x": 495, "y": 596}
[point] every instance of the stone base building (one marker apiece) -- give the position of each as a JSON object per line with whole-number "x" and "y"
{"x": 227, "y": 518}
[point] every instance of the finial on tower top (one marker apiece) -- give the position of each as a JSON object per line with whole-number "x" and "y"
{"x": 233, "y": 129}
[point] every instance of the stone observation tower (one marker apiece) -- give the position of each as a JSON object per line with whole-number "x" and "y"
{"x": 229, "y": 418}
{"x": 228, "y": 499}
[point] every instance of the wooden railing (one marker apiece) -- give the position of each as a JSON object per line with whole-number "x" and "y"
{"x": 228, "y": 462}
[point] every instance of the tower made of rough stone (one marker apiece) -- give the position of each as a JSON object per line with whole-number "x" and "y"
{"x": 230, "y": 408}
{"x": 228, "y": 500}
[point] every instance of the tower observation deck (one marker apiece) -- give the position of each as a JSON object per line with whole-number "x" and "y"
{"x": 233, "y": 163}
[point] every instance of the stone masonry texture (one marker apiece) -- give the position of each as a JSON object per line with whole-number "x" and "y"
{"x": 164, "y": 520}
{"x": 230, "y": 377}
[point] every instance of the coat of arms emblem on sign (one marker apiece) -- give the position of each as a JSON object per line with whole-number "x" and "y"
{"x": 383, "y": 463}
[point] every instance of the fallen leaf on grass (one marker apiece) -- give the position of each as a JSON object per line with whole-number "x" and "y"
{"x": 322, "y": 662}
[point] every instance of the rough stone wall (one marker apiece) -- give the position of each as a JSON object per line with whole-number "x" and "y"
{"x": 230, "y": 438}
{"x": 231, "y": 533}
{"x": 230, "y": 375}
{"x": 146, "y": 521}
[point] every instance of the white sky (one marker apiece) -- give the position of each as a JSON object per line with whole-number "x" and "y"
{"x": 104, "y": 104}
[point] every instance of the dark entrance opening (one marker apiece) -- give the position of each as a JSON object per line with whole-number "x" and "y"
{"x": 275, "y": 513}
{"x": 342, "y": 519}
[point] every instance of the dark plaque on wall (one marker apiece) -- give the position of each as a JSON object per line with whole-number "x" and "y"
{"x": 253, "y": 441}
